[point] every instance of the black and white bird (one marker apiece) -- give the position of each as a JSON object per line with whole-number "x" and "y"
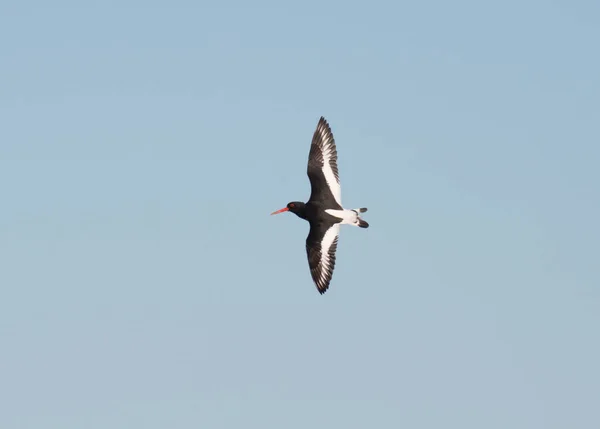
{"x": 324, "y": 209}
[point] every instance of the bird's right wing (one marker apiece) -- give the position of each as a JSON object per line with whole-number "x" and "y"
{"x": 322, "y": 165}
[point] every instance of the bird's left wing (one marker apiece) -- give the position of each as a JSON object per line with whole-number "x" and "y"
{"x": 321, "y": 245}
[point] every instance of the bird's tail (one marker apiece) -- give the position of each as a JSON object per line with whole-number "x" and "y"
{"x": 359, "y": 221}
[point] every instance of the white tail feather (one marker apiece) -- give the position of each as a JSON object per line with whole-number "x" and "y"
{"x": 349, "y": 217}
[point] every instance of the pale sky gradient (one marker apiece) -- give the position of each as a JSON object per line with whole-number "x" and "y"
{"x": 143, "y": 145}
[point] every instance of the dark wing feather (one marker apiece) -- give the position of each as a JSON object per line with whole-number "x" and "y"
{"x": 322, "y": 167}
{"x": 321, "y": 245}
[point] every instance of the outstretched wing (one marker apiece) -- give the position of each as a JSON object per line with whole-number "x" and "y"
{"x": 322, "y": 167}
{"x": 321, "y": 245}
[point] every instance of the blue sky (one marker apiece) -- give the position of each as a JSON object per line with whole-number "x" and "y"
{"x": 144, "y": 284}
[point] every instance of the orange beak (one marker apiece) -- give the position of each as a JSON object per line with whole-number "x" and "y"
{"x": 285, "y": 209}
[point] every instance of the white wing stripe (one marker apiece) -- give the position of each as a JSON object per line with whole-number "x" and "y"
{"x": 334, "y": 186}
{"x": 328, "y": 239}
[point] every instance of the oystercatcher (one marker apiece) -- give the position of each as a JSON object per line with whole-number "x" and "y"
{"x": 324, "y": 209}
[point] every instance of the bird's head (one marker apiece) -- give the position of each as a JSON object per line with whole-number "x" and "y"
{"x": 295, "y": 207}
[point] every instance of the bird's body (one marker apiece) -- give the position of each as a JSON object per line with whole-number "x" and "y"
{"x": 324, "y": 209}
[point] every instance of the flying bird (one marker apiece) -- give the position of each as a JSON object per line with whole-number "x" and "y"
{"x": 323, "y": 210}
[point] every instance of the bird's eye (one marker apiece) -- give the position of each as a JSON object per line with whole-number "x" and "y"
{"x": 291, "y": 204}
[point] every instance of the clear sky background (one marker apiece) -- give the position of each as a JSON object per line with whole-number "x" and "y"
{"x": 143, "y": 283}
